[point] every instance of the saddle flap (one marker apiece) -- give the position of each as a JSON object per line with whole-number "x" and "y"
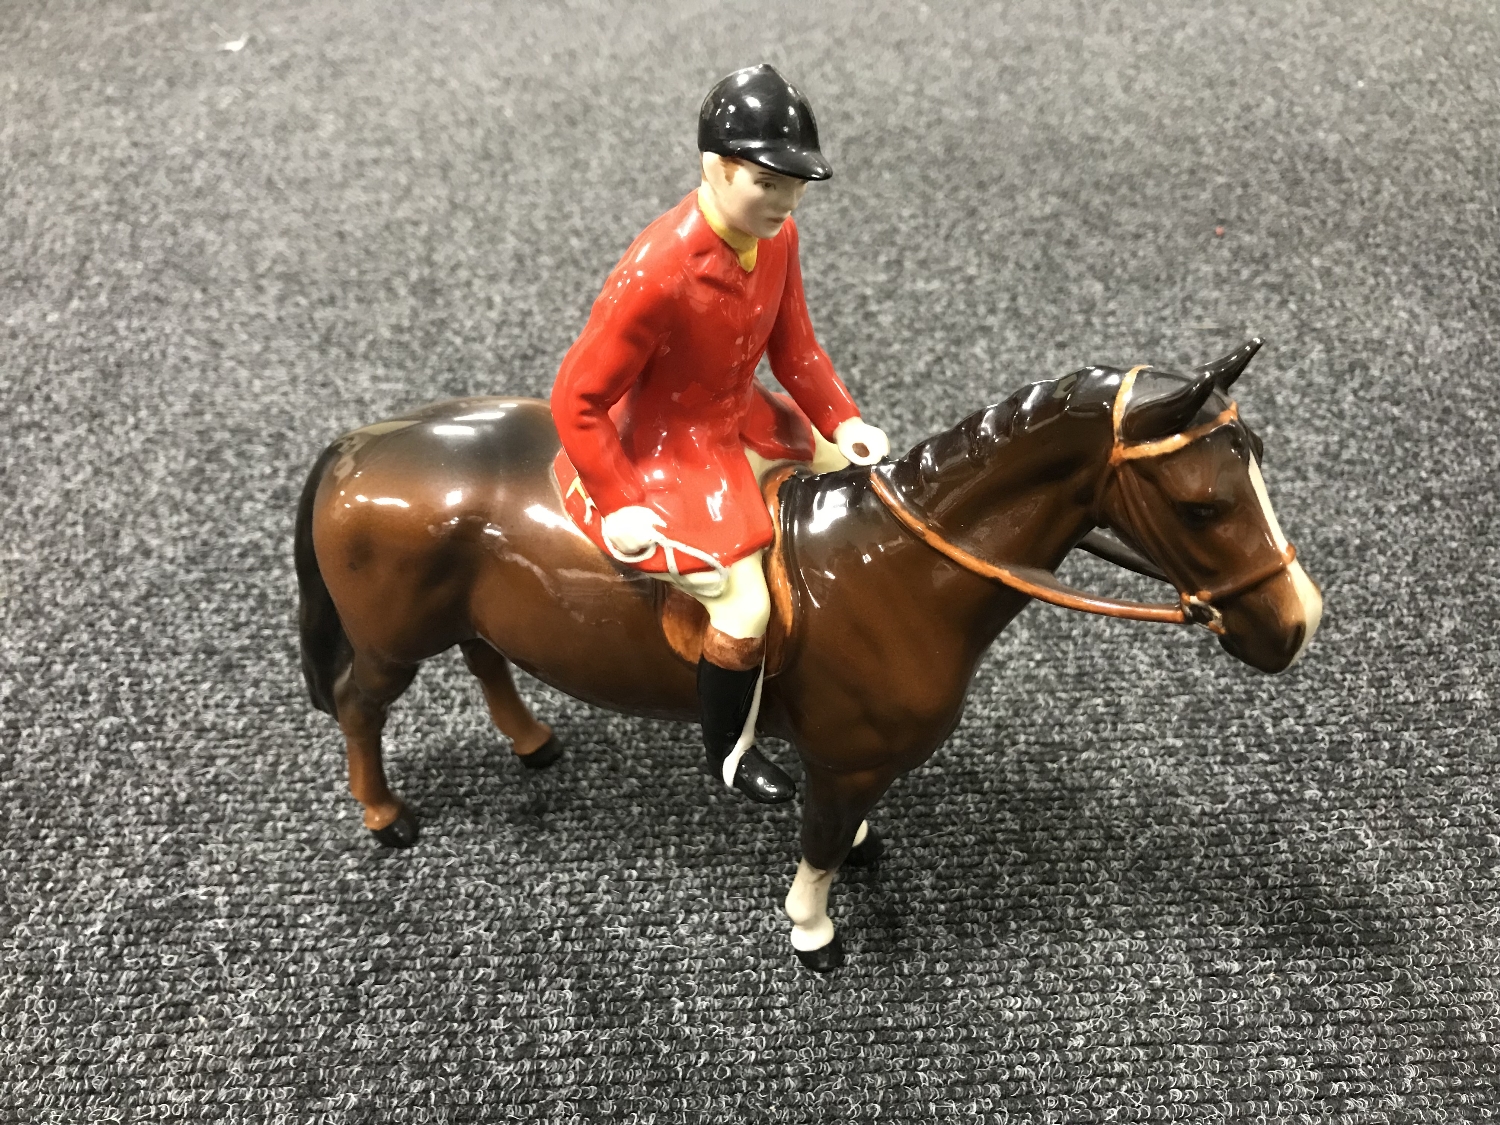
{"x": 684, "y": 620}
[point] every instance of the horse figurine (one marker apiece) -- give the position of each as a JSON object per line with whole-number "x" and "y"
{"x": 447, "y": 527}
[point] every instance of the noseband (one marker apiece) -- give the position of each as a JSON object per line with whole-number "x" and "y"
{"x": 1194, "y": 608}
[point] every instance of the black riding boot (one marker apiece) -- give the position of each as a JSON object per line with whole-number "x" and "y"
{"x": 724, "y": 699}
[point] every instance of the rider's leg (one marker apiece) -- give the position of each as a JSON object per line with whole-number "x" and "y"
{"x": 729, "y": 676}
{"x": 825, "y": 459}
{"x": 826, "y": 455}
{"x": 731, "y": 667}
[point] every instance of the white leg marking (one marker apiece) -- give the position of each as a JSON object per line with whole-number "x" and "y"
{"x": 859, "y": 837}
{"x": 807, "y": 907}
{"x": 1307, "y": 593}
{"x": 747, "y": 733}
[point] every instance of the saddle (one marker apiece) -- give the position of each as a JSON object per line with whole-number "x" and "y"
{"x": 684, "y": 621}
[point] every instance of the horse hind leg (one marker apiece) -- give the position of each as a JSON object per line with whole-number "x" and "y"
{"x": 363, "y": 697}
{"x": 533, "y": 741}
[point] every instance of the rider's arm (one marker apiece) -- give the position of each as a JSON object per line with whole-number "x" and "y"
{"x": 626, "y": 325}
{"x": 798, "y": 362}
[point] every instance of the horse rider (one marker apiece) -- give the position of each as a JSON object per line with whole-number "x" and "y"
{"x": 661, "y": 415}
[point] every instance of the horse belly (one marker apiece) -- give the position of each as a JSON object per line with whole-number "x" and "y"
{"x": 566, "y": 615}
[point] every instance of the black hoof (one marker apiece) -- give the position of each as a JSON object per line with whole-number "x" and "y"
{"x": 399, "y": 833}
{"x": 762, "y": 781}
{"x": 544, "y": 755}
{"x": 824, "y": 960}
{"x": 867, "y": 853}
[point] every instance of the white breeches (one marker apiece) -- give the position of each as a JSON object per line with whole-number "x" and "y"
{"x": 743, "y": 607}
{"x": 826, "y": 458}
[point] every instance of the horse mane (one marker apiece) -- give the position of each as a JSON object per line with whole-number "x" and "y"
{"x": 954, "y": 453}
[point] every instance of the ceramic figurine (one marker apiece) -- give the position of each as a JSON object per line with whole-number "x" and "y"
{"x": 665, "y": 431}
{"x": 449, "y": 526}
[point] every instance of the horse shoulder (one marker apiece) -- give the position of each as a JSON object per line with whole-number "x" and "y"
{"x": 883, "y": 654}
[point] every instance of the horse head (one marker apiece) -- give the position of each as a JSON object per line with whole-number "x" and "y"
{"x": 1184, "y": 487}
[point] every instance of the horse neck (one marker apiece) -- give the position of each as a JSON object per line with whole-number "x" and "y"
{"x": 1009, "y": 487}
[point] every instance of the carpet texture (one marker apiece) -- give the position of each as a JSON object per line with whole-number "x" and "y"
{"x": 1139, "y": 883}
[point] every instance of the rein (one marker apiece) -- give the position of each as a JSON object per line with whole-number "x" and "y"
{"x": 1035, "y": 582}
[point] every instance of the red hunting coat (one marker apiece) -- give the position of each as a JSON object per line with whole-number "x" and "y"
{"x": 657, "y": 397}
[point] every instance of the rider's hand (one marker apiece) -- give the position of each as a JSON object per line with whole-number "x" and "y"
{"x": 862, "y": 443}
{"x": 630, "y": 530}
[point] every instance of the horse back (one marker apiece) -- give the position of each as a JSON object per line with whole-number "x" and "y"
{"x": 446, "y": 524}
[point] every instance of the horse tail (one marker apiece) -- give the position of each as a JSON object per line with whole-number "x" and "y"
{"x": 326, "y": 652}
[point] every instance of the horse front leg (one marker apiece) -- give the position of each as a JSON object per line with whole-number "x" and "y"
{"x": 834, "y": 833}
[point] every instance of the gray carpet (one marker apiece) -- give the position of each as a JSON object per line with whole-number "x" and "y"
{"x": 1140, "y": 883}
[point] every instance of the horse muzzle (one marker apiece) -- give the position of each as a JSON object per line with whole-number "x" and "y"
{"x": 1270, "y": 625}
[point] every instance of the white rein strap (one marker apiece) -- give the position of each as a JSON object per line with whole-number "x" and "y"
{"x": 672, "y": 547}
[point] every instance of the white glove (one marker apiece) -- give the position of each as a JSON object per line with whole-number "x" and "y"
{"x": 852, "y": 432}
{"x": 630, "y": 530}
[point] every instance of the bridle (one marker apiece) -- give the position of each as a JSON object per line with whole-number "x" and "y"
{"x": 1192, "y": 607}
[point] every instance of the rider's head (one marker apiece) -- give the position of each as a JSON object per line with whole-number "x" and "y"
{"x": 750, "y": 198}
{"x": 759, "y": 142}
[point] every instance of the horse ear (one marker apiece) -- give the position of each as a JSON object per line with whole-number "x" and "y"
{"x": 1163, "y": 415}
{"x": 1225, "y": 371}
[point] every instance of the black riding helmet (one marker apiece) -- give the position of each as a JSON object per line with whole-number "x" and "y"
{"x": 757, "y": 115}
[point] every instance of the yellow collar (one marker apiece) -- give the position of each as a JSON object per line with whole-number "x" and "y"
{"x": 744, "y": 245}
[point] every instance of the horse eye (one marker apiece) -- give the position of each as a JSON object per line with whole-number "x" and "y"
{"x": 1198, "y": 515}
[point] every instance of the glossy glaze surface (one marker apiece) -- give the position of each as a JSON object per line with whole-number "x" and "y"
{"x": 757, "y": 115}
{"x": 657, "y": 399}
{"x": 446, "y": 527}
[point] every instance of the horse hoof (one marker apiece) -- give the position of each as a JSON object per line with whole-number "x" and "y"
{"x": 867, "y": 853}
{"x": 544, "y": 755}
{"x": 399, "y": 833}
{"x": 826, "y": 959}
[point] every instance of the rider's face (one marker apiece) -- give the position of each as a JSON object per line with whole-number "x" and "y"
{"x": 750, "y": 198}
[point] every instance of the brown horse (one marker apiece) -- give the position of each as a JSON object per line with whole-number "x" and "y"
{"x": 446, "y": 527}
